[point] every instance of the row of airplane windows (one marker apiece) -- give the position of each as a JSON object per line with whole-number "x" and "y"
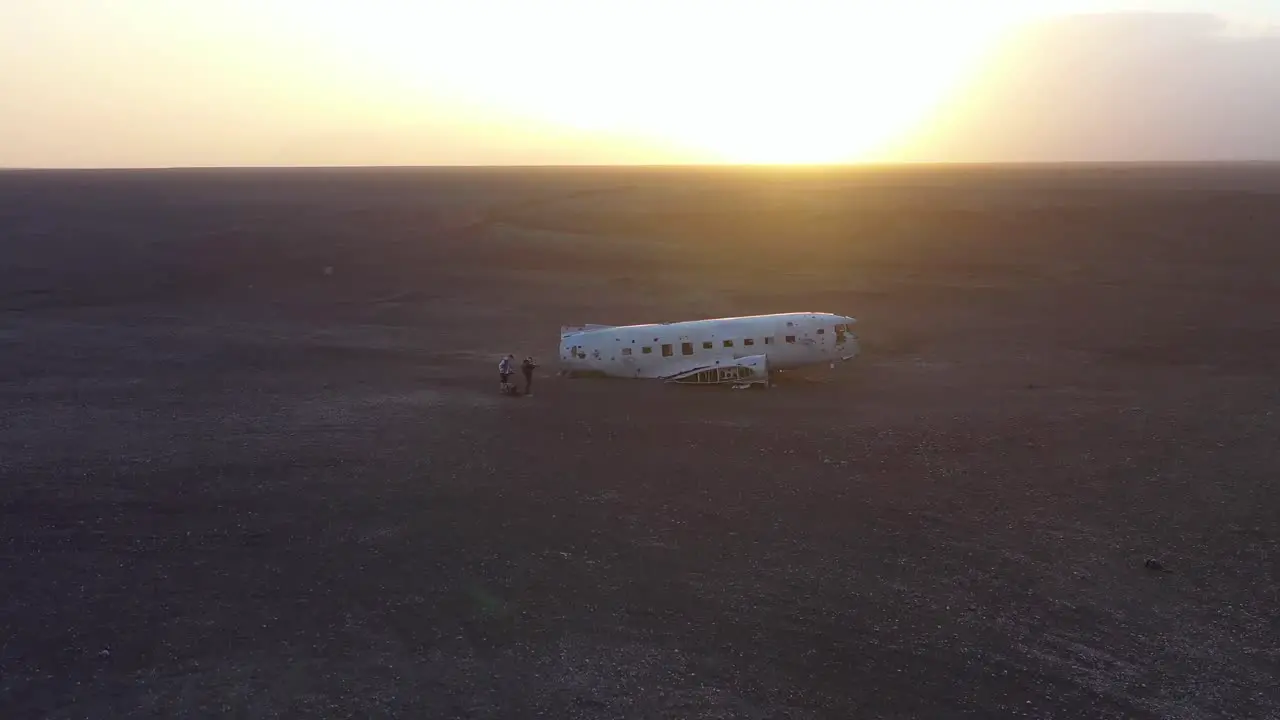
{"x": 687, "y": 348}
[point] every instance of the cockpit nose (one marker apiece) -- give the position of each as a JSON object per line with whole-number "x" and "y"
{"x": 846, "y": 339}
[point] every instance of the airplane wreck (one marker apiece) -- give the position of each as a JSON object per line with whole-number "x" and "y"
{"x": 737, "y": 351}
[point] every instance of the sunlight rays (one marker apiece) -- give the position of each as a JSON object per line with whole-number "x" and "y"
{"x": 748, "y": 82}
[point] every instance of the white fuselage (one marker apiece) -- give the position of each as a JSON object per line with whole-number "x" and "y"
{"x": 787, "y": 340}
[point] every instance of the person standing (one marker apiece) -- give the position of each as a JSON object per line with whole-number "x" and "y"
{"x": 527, "y": 368}
{"x": 505, "y": 370}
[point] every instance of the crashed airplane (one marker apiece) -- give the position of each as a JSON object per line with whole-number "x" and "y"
{"x": 737, "y": 351}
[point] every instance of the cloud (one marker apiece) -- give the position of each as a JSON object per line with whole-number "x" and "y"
{"x": 1127, "y": 87}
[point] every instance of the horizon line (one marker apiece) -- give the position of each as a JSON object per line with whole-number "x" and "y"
{"x": 662, "y": 166}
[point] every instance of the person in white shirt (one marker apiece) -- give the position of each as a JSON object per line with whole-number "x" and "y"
{"x": 504, "y": 371}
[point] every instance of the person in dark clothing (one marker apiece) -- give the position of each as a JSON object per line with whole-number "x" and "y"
{"x": 527, "y": 368}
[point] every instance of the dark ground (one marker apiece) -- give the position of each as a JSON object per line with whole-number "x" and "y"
{"x": 235, "y": 484}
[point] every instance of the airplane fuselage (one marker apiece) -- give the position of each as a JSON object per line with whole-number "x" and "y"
{"x": 667, "y": 350}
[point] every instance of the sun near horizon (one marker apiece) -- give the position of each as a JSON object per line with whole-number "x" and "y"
{"x": 387, "y": 82}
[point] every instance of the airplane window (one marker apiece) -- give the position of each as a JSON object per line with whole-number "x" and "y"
{"x": 626, "y": 351}
{"x": 706, "y": 345}
{"x": 822, "y": 331}
{"x": 768, "y": 341}
{"x": 749, "y": 341}
{"x": 686, "y": 348}
{"x": 728, "y": 343}
{"x": 791, "y": 338}
{"x": 646, "y": 349}
{"x": 666, "y": 350}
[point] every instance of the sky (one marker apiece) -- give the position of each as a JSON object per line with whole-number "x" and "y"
{"x": 146, "y": 83}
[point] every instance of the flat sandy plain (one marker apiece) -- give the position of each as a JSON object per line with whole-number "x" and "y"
{"x": 254, "y": 462}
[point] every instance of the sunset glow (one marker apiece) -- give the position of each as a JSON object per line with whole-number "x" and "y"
{"x": 298, "y": 82}
{"x": 816, "y": 82}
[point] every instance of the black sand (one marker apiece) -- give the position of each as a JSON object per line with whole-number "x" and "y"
{"x": 253, "y": 461}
